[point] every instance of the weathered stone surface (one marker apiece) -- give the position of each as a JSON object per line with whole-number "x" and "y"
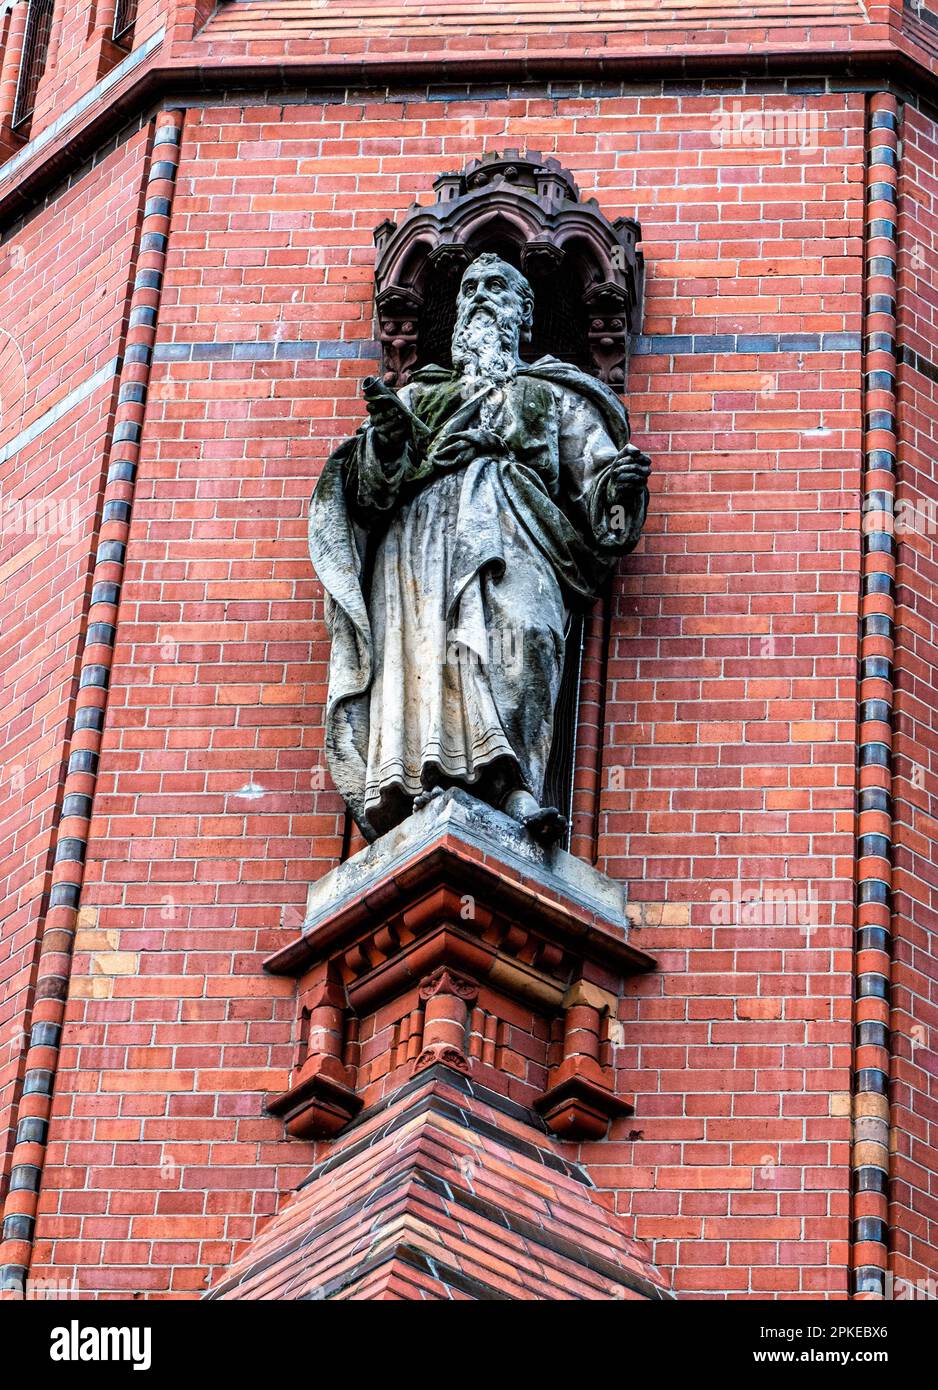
{"x": 454, "y": 534}
{"x": 463, "y": 818}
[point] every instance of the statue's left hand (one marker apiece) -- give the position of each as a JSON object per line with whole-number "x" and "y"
{"x": 460, "y": 448}
{"x": 629, "y": 473}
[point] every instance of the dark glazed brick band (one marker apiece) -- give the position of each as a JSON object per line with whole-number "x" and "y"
{"x": 71, "y": 836}
{"x": 877, "y": 613}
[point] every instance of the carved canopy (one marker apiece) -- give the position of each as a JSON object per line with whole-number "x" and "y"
{"x": 586, "y": 272}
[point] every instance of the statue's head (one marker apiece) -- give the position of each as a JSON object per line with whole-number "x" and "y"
{"x": 494, "y": 311}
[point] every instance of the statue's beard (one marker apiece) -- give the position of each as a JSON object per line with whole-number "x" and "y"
{"x": 485, "y": 344}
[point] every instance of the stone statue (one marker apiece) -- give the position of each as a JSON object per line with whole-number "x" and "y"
{"x": 452, "y": 535}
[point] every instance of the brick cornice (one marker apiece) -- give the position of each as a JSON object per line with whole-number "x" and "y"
{"x": 176, "y": 73}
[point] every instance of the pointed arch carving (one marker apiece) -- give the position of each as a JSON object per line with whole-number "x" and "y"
{"x": 586, "y": 272}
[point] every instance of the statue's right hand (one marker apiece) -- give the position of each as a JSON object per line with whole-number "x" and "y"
{"x": 389, "y": 421}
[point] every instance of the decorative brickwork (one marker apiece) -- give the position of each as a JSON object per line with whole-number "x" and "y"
{"x": 70, "y": 846}
{"x": 457, "y": 940}
{"x": 912, "y": 1222}
{"x": 718, "y": 741}
{"x": 728, "y": 739}
{"x": 445, "y": 1192}
{"x": 874, "y": 845}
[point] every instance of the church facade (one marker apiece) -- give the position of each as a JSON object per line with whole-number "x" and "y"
{"x": 688, "y": 1049}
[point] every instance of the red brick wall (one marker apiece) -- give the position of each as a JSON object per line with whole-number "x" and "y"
{"x": 915, "y": 973}
{"x": 64, "y": 282}
{"x": 10, "y": 41}
{"x": 80, "y": 51}
{"x": 731, "y": 684}
{"x": 729, "y": 765}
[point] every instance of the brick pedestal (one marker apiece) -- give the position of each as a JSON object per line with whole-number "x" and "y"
{"x": 456, "y": 940}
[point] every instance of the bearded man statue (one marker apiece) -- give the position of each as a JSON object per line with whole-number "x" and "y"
{"x": 453, "y": 534}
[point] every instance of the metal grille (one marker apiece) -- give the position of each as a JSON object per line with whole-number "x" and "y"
{"x": 125, "y": 14}
{"x": 33, "y": 60}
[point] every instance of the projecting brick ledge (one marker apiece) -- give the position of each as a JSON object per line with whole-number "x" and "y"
{"x": 446, "y": 1191}
{"x": 459, "y": 839}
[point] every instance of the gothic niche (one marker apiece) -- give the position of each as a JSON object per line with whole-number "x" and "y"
{"x": 587, "y": 275}
{"x": 586, "y": 272}
{"x": 464, "y": 537}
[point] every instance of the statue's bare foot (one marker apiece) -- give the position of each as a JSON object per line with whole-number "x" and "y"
{"x": 426, "y": 797}
{"x": 543, "y": 823}
{"x": 546, "y": 825}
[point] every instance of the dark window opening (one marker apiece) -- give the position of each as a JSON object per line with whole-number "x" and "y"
{"x": 33, "y": 60}
{"x": 125, "y": 17}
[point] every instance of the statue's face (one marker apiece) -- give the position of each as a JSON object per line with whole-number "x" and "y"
{"x": 490, "y": 311}
{"x": 490, "y": 286}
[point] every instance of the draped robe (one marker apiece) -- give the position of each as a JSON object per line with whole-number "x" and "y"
{"x": 448, "y": 589}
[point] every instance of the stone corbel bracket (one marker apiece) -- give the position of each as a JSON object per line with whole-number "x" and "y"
{"x": 455, "y": 901}
{"x": 528, "y": 209}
